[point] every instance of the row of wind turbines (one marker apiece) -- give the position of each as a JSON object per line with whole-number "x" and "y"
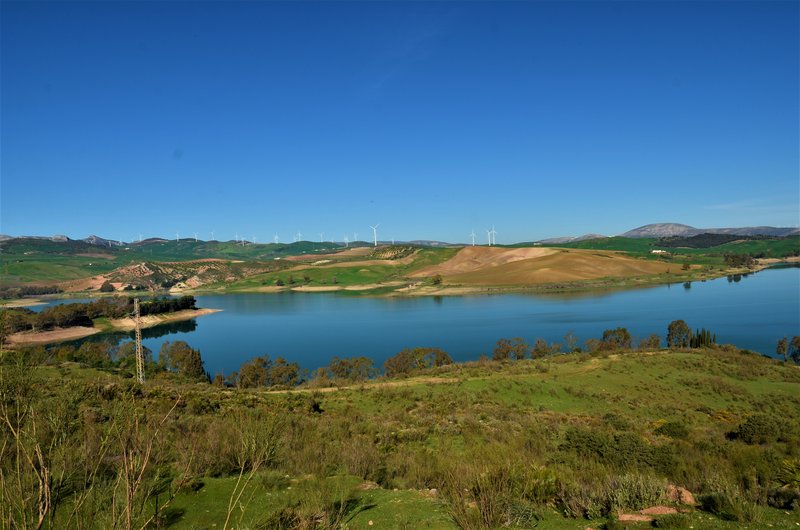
{"x": 491, "y": 237}
{"x": 297, "y": 237}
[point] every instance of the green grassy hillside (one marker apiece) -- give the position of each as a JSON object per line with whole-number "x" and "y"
{"x": 565, "y": 441}
{"x": 771, "y": 248}
{"x": 44, "y": 261}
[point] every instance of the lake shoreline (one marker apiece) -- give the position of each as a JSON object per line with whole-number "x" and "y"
{"x": 420, "y": 289}
{"x": 27, "y": 338}
{"x": 415, "y": 289}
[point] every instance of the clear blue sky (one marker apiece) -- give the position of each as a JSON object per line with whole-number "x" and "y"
{"x": 432, "y": 119}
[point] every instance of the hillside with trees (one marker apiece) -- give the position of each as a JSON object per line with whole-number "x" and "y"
{"x": 699, "y": 435}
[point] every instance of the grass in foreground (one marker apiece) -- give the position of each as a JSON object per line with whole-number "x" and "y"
{"x": 564, "y": 441}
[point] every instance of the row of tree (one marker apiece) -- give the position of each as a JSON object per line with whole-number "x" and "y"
{"x": 82, "y": 314}
{"x": 175, "y": 357}
{"x": 262, "y": 371}
{"x": 789, "y": 349}
{"x": 28, "y": 290}
{"x": 739, "y": 260}
{"x": 265, "y": 372}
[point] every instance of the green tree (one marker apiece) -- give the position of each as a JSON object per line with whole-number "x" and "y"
{"x": 571, "y": 341}
{"x": 352, "y": 368}
{"x": 616, "y": 339}
{"x": 254, "y": 373}
{"x": 515, "y": 348}
{"x": 126, "y": 356}
{"x": 679, "y": 334}
{"x": 703, "y": 339}
{"x": 794, "y": 349}
{"x": 540, "y": 349}
{"x": 782, "y": 348}
{"x": 94, "y": 353}
{"x": 409, "y": 360}
{"x": 651, "y": 342}
{"x": 179, "y": 357}
{"x": 284, "y": 373}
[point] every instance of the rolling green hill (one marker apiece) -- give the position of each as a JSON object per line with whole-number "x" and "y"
{"x": 561, "y": 442}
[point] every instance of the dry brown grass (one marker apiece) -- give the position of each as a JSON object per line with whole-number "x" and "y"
{"x": 531, "y": 266}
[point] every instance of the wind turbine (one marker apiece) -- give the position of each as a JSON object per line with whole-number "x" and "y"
{"x": 254, "y": 239}
{"x": 212, "y": 235}
{"x": 355, "y": 237}
{"x": 346, "y": 241}
{"x": 177, "y": 237}
{"x": 472, "y": 234}
{"x": 321, "y": 236}
{"x": 236, "y": 237}
{"x": 299, "y": 236}
{"x": 489, "y": 237}
{"x": 494, "y": 236}
{"x": 375, "y": 233}
{"x": 140, "y": 238}
{"x": 195, "y": 237}
{"x": 276, "y": 238}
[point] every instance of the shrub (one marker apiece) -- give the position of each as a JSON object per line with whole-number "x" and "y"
{"x": 757, "y": 429}
{"x": 636, "y": 491}
{"x": 583, "y": 497}
{"x": 616, "y": 339}
{"x": 731, "y": 506}
{"x": 540, "y": 485}
{"x": 784, "y": 499}
{"x": 515, "y": 348}
{"x": 673, "y": 429}
{"x": 272, "y": 480}
{"x": 408, "y": 360}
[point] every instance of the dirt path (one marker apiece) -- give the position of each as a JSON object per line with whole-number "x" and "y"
{"x": 366, "y": 385}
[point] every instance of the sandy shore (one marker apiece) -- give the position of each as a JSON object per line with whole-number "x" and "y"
{"x": 148, "y": 321}
{"x": 21, "y": 302}
{"x": 120, "y": 324}
{"x": 47, "y": 337}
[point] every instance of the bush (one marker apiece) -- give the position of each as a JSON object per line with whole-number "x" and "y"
{"x": 784, "y": 499}
{"x": 673, "y": 520}
{"x": 757, "y": 429}
{"x": 272, "y": 480}
{"x": 635, "y": 491}
{"x": 674, "y": 429}
{"x": 730, "y": 506}
{"x": 624, "y": 450}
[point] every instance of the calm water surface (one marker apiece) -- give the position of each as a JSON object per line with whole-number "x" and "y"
{"x": 310, "y": 328}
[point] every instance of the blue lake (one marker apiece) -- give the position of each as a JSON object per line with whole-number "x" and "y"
{"x": 310, "y": 328}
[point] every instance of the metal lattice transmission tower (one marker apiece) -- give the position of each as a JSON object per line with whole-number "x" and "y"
{"x": 139, "y": 353}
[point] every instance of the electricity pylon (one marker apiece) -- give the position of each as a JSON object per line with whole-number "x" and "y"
{"x": 139, "y": 353}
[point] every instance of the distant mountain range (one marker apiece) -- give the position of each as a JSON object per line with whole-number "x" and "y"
{"x": 569, "y": 239}
{"x": 656, "y": 230}
{"x": 659, "y": 230}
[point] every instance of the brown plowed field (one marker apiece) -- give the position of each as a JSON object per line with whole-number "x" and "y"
{"x": 527, "y": 266}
